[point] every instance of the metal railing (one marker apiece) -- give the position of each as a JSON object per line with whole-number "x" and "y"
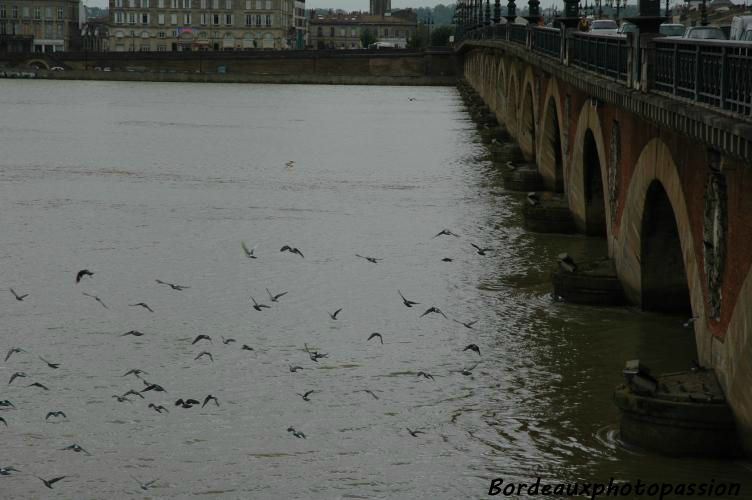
{"x": 546, "y": 41}
{"x": 517, "y": 33}
{"x": 603, "y": 54}
{"x": 714, "y": 73}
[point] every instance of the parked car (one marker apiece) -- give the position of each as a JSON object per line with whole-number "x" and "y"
{"x": 704, "y": 33}
{"x": 740, "y": 26}
{"x": 57, "y": 68}
{"x": 381, "y": 45}
{"x": 746, "y": 36}
{"x": 604, "y": 27}
{"x": 627, "y": 28}
{"x": 669, "y": 29}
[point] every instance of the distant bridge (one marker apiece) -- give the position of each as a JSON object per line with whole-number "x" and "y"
{"x": 650, "y": 140}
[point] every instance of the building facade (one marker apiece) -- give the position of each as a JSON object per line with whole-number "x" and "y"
{"x": 345, "y": 31}
{"x": 301, "y": 25}
{"x": 185, "y": 25}
{"x": 40, "y": 25}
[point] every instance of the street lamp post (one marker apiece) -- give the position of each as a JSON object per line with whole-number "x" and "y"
{"x": 497, "y": 11}
{"x": 487, "y": 19}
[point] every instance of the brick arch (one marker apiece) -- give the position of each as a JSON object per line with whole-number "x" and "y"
{"x": 551, "y": 137}
{"x": 40, "y": 62}
{"x": 493, "y": 75}
{"x": 527, "y": 124}
{"x": 581, "y": 195}
{"x": 512, "y": 98}
{"x": 500, "y": 90}
{"x": 655, "y": 166}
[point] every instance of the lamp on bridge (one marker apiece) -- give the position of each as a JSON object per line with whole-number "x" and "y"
{"x": 497, "y": 12}
{"x": 649, "y": 18}
{"x": 533, "y": 11}
{"x": 487, "y": 19}
{"x": 511, "y": 11}
{"x": 571, "y": 14}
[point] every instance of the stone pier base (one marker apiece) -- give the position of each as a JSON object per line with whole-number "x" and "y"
{"x": 550, "y": 215}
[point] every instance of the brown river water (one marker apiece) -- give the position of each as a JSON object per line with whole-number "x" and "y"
{"x": 142, "y": 181}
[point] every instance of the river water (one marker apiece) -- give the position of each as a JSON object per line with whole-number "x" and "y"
{"x": 141, "y": 181}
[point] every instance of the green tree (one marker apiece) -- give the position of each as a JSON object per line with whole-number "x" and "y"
{"x": 440, "y": 36}
{"x": 367, "y": 38}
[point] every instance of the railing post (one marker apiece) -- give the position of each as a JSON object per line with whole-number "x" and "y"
{"x": 724, "y": 79}
{"x": 675, "y": 68}
{"x": 697, "y": 72}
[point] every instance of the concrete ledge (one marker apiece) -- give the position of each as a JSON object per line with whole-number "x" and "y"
{"x": 248, "y": 78}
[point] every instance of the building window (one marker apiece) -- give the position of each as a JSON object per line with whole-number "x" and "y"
{"x": 161, "y": 34}
{"x": 48, "y": 13}
{"x": 342, "y": 32}
{"x": 160, "y": 4}
{"x": 174, "y": 4}
{"x": 118, "y": 17}
{"x": 331, "y": 31}
{"x": 144, "y": 48}
{"x": 203, "y": 4}
{"x": 2, "y": 13}
{"x": 14, "y": 12}
{"x": 386, "y": 32}
{"x": 118, "y": 3}
{"x": 144, "y": 4}
{"x": 268, "y": 4}
{"x": 228, "y": 4}
{"x": 132, "y": 4}
{"x": 60, "y": 13}
{"x": 354, "y": 32}
{"x": 187, "y": 19}
{"x": 37, "y": 13}
{"x": 268, "y": 20}
{"x": 24, "y": 12}
{"x": 160, "y": 19}
{"x": 215, "y": 4}
{"x": 215, "y": 19}
{"x": 131, "y": 18}
{"x": 248, "y": 4}
{"x": 248, "y": 20}
{"x": 228, "y": 19}
{"x": 173, "y": 19}
{"x": 258, "y": 20}
{"x": 161, "y": 48}
{"x": 320, "y": 31}
{"x": 203, "y": 19}
{"x": 144, "y": 18}
{"x": 259, "y": 4}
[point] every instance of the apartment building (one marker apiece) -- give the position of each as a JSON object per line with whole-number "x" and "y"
{"x": 344, "y": 31}
{"x": 186, "y": 25}
{"x": 40, "y": 25}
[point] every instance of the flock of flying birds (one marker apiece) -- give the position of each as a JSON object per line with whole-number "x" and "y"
{"x": 187, "y": 403}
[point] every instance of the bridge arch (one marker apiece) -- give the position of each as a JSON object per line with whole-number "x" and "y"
{"x": 501, "y": 75}
{"x": 40, "y": 63}
{"x": 528, "y": 120}
{"x": 511, "y": 101}
{"x": 550, "y": 155}
{"x": 656, "y": 242}
{"x": 586, "y": 188}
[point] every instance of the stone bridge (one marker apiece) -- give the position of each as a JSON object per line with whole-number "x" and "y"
{"x": 650, "y": 142}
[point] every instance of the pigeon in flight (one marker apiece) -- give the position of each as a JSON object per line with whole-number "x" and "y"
{"x": 288, "y": 248}
{"x": 172, "y": 285}
{"x": 408, "y": 303}
{"x": 83, "y": 273}
{"x": 374, "y": 335}
{"x": 248, "y": 253}
{"x": 18, "y": 297}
